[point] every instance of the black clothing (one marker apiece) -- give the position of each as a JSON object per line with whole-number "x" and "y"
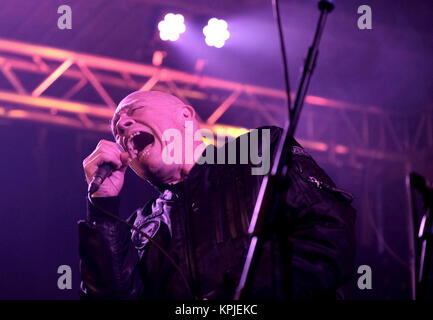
{"x": 208, "y": 238}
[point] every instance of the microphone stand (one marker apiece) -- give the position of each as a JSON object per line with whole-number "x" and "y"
{"x": 265, "y": 218}
{"x": 425, "y": 237}
{"x": 424, "y": 241}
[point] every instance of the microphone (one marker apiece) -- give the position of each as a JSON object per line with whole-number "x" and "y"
{"x": 420, "y": 184}
{"x": 102, "y": 173}
{"x": 327, "y": 5}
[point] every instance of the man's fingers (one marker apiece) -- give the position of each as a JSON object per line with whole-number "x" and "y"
{"x": 91, "y": 167}
{"x": 112, "y": 147}
{"x": 125, "y": 158}
{"x": 108, "y": 158}
{"x": 107, "y": 152}
{"x": 102, "y": 148}
{"x": 107, "y": 143}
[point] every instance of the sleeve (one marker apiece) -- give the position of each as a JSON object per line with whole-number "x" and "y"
{"x": 321, "y": 236}
{"x": 108, "y": 260}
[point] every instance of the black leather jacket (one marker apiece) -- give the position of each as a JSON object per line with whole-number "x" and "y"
{"x": 207, "y": 239}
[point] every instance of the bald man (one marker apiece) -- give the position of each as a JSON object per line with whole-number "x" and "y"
{"x": 201, "y": 216}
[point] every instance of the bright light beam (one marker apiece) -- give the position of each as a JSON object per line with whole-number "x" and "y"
{"x": 171, "y": 27}
{"x": 216, "y": 33}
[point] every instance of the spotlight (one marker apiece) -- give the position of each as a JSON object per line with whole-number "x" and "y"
{"x": 216, "y": 32}
{"x": 171, "y": 27}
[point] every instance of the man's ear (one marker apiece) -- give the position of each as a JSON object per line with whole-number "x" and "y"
{"x": 188, "y": 112}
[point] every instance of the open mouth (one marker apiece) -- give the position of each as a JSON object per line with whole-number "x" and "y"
{"x": 138, "y": 142}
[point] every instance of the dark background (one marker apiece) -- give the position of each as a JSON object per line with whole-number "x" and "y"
{"x": 42, "y": 184}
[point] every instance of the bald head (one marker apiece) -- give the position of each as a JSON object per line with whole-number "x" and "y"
{"x": 154, "y": 113}
{"x": 150, "y": 98}
{"x": 163, "y": 102}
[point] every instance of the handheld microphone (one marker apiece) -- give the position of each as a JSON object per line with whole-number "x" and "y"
{"x": 420, "y": 184}
{"x": 102, "y": 173}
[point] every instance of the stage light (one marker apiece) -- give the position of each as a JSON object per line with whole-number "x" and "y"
{"x": 216, "y": 32}
{"x": 171, "y": 27}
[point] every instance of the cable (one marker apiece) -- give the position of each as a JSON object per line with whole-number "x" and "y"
{"x": 276, "y": 7}
{"x": 155, "y": 243}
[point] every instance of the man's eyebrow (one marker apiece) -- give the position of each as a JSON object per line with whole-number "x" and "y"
{"x": 116, "y": 116}
{"x": 129, "y": 107}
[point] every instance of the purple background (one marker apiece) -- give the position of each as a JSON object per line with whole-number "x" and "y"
{"x": 42, "y": 184}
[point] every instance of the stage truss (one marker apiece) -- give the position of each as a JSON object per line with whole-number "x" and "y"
{"x": 44, "y": 84}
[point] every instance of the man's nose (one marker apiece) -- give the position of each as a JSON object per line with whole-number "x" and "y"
{"x": 124, "y": 124}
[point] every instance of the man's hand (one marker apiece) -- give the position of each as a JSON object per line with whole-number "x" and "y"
{"x": 107, "y": 152}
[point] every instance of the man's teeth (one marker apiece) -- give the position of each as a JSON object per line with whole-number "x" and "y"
{"x": 131, "y": 144}
{"x": 134, "y": 152}
{"x": 132, "y": 137}
{"x": 135, "y": 134}
{"x": 145, "y": 152}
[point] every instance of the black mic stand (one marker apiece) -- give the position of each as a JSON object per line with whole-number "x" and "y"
{"x": 264, "y": 221}
{"x": 424, "y": 241}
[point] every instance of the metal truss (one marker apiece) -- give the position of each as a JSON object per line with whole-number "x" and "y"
{"x": 339, "y": 129}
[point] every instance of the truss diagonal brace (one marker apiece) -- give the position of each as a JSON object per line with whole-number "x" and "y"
{"x": 97, "y": 85}
{"x": 52, "y": 77}
{"x": 224, "y": 107}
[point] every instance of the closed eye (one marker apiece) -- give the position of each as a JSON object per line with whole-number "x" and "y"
{"x": 115, "y": 120}
{"x": 132, "y": 110}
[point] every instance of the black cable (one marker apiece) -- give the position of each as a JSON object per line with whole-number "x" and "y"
{"x": 277, "y": 16}
{"x": 155, "y": 243}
